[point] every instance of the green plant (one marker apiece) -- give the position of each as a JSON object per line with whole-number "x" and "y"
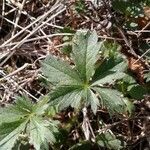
{"x": 80, "y": 6}
{"x": 108, "y": 140}
{"x": 88, "y": 81}
{"x": 133, "y": 12}
{"x": 129, "y": 8}
{"x": 25, "y": 123}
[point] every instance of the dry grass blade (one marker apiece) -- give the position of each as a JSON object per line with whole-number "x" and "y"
{"x": 40, "y": 19}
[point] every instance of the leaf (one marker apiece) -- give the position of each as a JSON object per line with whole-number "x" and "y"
{"x": 84, "y": 52}
{"x": 112, "y": 99}
{"x": 82, "y": 146}
{"x": 72, "y": 96}
{"x": 74, "y": 87}
{"x": 52, "y": 110}
{"x": 109, "y": 71}
{"x": 9, "y": 134}
{"x": 24, "y": 145}
{"x": 40, "y": 133}
{"x": 147, "y": 76}
{"x": 121, "y": 5}
{"x": 80, "y": 6}
{"x": 109, "y": 77}
{"x": 59, "y": 91}
{"x": 137, "y": 91}
{"x": 108, "y": 140}
{"x": 112, "y": 64}
{"x": 41, "y": 106}
{"x": 93, "y": 100}
{"x": 67, "y": 48}
{"x": 110, "y": 49}
{"x": 66, "y": 96}
{"x": 16, "y": 120}
{"x": 128, "y": 79}
{"x": 59, "y": 72}
{"x": 15, "y": 112}
{"x": 129, "y": 107}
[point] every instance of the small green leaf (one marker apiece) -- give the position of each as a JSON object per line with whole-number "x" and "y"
{"x": 59, "y": 72}
{"x": 137, "y": 91}
{"x": 11, "y": 113}
{"x": 9, "y": 134}
{"x": 52, "y": 110}
{"x": 67, "y": 29}
{"x": 108, "y": 140}
{"x": 67, "y": 49}
{"x": 66, "y": 96}
{"x": 80, "y": 6}
{"x": 113, "y": 100}
{"x": 129, "y": 107}
{"x": 109, "y": 71}
{"x": 84, "y": 53}
{"x": 147, "y": 76}
{"x": 93, "y": 100}
{"x": 82, "y": 146}
{"x": 41, "y": 133}
{"x": 41, "y": 105}
{"x": 110, "y": 49}
{"x": 109, "y": 78}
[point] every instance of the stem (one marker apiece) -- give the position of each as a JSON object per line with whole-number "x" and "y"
{"x": 86, "y": 126}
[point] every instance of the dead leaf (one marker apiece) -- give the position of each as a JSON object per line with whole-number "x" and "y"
{"x": 137, "y": 67}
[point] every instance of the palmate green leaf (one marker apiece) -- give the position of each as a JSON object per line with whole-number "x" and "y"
{"x": 113, "y": 100}
{"x": 109, "y": 71}
{"x": 84, "y": 53}
{"x": 59, "y": 72}
{"x": 16, "y": 120}
{"x": 75, "y": 86}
